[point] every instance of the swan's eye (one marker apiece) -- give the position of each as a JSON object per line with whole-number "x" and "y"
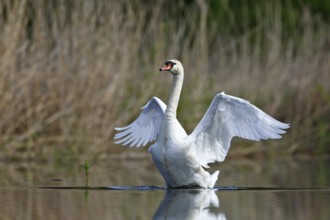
{"x": 170, "y": 63}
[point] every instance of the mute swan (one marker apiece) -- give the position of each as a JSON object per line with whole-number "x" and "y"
{"x": 181, "y": 158}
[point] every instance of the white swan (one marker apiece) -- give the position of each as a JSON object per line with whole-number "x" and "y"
{"x": 181, "y": 158}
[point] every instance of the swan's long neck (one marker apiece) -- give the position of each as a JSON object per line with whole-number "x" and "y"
{"x": 173, "y": 100}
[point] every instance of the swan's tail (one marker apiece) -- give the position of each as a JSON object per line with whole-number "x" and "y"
{"x": 213, "y": 179}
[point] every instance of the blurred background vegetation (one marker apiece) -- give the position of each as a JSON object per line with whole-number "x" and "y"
{"x": 72, "y": 70}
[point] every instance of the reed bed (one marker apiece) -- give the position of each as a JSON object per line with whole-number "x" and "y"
{"x": 70, "y": 71}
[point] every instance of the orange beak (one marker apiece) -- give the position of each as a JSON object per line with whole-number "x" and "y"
{"x": 166, "y": 68}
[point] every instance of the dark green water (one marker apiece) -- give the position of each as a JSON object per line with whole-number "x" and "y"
{"x": 133, "y": 189}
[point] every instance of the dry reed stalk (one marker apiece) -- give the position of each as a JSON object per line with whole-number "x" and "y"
{"x": 79, "y": 69}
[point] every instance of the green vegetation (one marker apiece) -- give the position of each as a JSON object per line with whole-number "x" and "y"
{"x": 87, "y": 166}
{"x": 70, "y": 71}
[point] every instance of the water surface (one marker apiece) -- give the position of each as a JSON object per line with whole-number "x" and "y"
{"x": 133, "y": 189}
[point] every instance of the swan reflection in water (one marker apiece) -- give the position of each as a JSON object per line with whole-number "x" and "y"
{"x": 189, "y": 204}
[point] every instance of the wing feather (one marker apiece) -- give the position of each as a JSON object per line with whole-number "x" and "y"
{"x": 229, "y": 117}
{"x": 145, "y": 128}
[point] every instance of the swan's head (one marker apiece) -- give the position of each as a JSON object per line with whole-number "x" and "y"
{"x": 173, "y": 66}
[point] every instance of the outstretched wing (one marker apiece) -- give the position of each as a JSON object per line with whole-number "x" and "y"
{"x": 227, "y": 117}
{"x": 145, "y": 128}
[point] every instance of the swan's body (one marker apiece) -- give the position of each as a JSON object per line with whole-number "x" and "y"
{"x": 179, "y": 157}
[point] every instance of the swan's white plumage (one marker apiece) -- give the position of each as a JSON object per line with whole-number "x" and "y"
{"x": 180, "y": 158}
{"x": 145, "y": 128}
{"x": 229, "y": 117}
